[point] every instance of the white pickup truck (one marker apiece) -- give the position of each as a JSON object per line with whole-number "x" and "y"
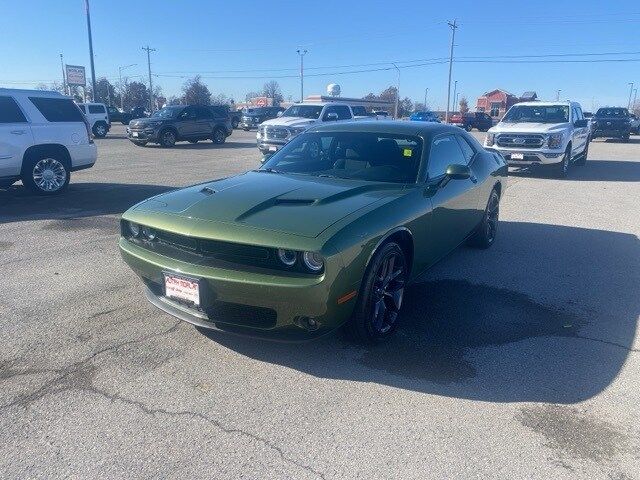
{"x": 542, "y": 133}
{"x": 273, "y": 134}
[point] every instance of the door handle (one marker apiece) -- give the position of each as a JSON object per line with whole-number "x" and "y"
{"x": 18, "y": 132}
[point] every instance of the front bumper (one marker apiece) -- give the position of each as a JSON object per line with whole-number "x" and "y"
{"x": 142, "y": 134}
{"x": 249, "y": 303}
{"x": 614, "y": 133}
{"x": 530, "y": 156}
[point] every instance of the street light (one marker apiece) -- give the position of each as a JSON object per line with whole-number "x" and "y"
{"x": 558, "y": 95}
{"x": 397, "y": 91}
{"x": 120, "y": 69}
{"x": 630, "y": 95}
{"x": 302, "y": 53}
{"x": 426, "y": 90}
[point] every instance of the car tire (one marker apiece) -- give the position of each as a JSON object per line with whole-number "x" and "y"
{"x": 46, "y": 173}
{"x": 375, "y": 316}
{"x": 561, "y": 169}
{"x": 193, "y": 141}
{"x": 235, "y": 123}
{"x": 100, "y": 130}
{"x": 140, "y": 144}
{"x": 485, "y": 234}
{"x": 582, "y": 159}
{"x": 626, "y": 137}
{"x": 168, "y": 138}
{"x": 219, "y": 136}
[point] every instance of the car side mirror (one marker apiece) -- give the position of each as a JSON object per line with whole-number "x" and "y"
{"x": 458, "y": 172}
{"x": 580, "y": 123}
{"x": 331, "y": 117}
{"x": 279, "y": 114}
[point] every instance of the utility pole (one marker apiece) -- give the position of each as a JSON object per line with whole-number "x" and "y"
{"x": 426, "y": 90}
{"x": 635, "y": 95}
{"x": 149, "y": 50}
{"x": 302, "y": 53}
{"x": 558, "y": 95}
{"x": 630, "y": 95}
{"x": 121, "y": 86}
{"x": 453, "y": 26}
{"x": 395, "y": 114}
{"x": 93, "y": 70}
{"x": 455, "y": 88}
{"x": 64, "y": 78}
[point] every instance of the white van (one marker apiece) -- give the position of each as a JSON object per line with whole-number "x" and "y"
{"x": 43, "y": 138}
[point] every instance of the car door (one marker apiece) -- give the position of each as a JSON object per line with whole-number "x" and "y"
{"x": 186, "y": 123}
{"x": 204, "y": 122}
{"x": 15, "y": 137}
{"x": 580, "y": 134}
{"x": 454, "y": 202}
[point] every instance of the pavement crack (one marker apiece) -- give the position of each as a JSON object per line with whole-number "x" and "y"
{"x": 217, "y": 424}
{"x": 71, "y": 376}
{"x": 607, "y": 342}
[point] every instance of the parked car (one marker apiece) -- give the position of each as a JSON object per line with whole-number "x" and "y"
{"x": 43, "y": 138}
{"x": 470, "y": 120}
{"x": 553, "y": 134}
{"x": 117, "y": 115}
{"x": 98, "y": 118}
{"x": 424, "y": 116}
{"x": 179, "y": 123}
{"x": 275, "y": 133}
{"x": 258, "y": 115}
{"x": 381, "y": 113}
{"x": 328, "y": 232}
{"x": 611, "y": 122}
{"x": 360, "y": 112}
{"x": 635, "y": 123}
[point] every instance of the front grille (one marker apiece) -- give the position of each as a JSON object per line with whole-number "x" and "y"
{"x": 514, "y": 140}
{"x": 270, "y": 132}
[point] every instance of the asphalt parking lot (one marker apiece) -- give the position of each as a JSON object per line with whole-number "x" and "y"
{"x": 520, "y": 361}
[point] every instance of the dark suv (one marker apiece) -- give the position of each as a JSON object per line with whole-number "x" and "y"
{"x": 181, "y": 123}
{"x": 471, "y": 120}
{"x": 116, "y": 115}
{"x": 255, "y": 116}
{"x": 611, "y": 122}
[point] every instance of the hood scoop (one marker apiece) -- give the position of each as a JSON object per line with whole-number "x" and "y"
{"x": 208, "y": 191}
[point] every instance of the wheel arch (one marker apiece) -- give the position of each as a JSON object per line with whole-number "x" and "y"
{"x": 403, "y": 237}
{"x": 47, "y": 149}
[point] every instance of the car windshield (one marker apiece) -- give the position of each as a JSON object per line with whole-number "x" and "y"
{"x": 305, "y": 111}
{"x": 370, "y": 156}
{"x": 167, "y": 112}
{"x": 612, "y": 112}
{"x": 537, "y": 114}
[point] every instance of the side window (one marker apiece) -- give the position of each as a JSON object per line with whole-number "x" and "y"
{"x": 187, "y": 114}
{"x": 467, "y": 150}
{"x": 445, "y": 151}
{"x": 58, "y": 109}
{"x": 96, "y": 109}
{"x": 203, "y": 112}
{"x": 10, "y": 112}
{"x": 83, "y": 108}
{"x": 343, "y": 112}
{"x": 579, "y": 112}
{"x": 328, "y": 110}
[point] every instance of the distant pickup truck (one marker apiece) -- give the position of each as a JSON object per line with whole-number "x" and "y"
{"x": 116, "y": 115}
{"x": 273, "y": 134}
{"x": 471, "y": 120}
{"x": 611, "y": 122}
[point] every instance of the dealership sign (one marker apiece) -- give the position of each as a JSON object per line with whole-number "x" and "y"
{"x": 76, "y": 75}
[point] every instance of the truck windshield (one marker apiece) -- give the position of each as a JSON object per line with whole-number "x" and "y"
{"x": 612, "y": 112}
{"x": 537, "y": 114}
{"x": 305, "y": 111}
{"x": 369, "y": 156}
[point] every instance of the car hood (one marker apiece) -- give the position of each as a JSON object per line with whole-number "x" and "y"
{"x": 293, "y": 204}
{"x": 142, "y": 122}
{"x": 525, "y": 127}
{"x": 290, "y": 121}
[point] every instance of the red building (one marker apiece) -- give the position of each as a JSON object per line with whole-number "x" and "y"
{"x": 497, "y": 102}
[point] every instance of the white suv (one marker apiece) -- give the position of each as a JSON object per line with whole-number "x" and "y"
{"x": 43, "y": 138}
{"x": 542, "y": 133}
{"x": 98, "y": 118}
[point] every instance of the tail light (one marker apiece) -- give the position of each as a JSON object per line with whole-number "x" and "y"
{"x": 88, "y": 127}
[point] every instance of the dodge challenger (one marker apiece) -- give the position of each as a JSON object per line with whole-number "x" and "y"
{"x": 326, "y": 233}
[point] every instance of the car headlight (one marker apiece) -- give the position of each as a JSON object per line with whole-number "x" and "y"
{"x": 490, "y": 139}
{"x": 555, "y": 140}
{"x": 288, "y": 257}
{"x": 313, "y": 261}
{"x": 149, "y": 233}
{"x": 134, "y": 229}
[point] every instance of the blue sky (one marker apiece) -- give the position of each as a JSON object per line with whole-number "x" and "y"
{"x": 245, "y": 38}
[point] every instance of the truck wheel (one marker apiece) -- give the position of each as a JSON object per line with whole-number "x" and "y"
{"x": 219, "y": 136}
{"x": 562, "y": 168}
{"x": 582, "y": 159}
{"x": 46, "y": 173}
{"x": 100, "y": 130}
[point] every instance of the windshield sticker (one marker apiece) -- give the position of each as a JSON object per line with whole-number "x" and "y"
{"x": 407, "y": 152}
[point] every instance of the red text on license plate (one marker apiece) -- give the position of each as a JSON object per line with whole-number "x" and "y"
{"x": 182, "y": 288}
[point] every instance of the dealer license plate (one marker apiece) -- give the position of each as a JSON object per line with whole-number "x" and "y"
{"x": 273, "y": 149}
{"x": 182, "y": 288}
{"x": 517, "y": 156}
{"x": 134, "y": 134}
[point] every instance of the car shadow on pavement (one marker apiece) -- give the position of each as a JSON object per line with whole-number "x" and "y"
{"x": 594, "y": 170}
{"x": 206, "y": 145}
{"x": 80, "y": 200}
{"x": 486, "y": 342}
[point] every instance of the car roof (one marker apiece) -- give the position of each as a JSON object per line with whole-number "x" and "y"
{"x": 545, "y": 104}
{"x": 387, "y": 126}
{"x": 30, "y": 92}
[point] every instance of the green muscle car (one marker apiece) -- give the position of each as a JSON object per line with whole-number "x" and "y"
{"x": 326, "y": 233}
